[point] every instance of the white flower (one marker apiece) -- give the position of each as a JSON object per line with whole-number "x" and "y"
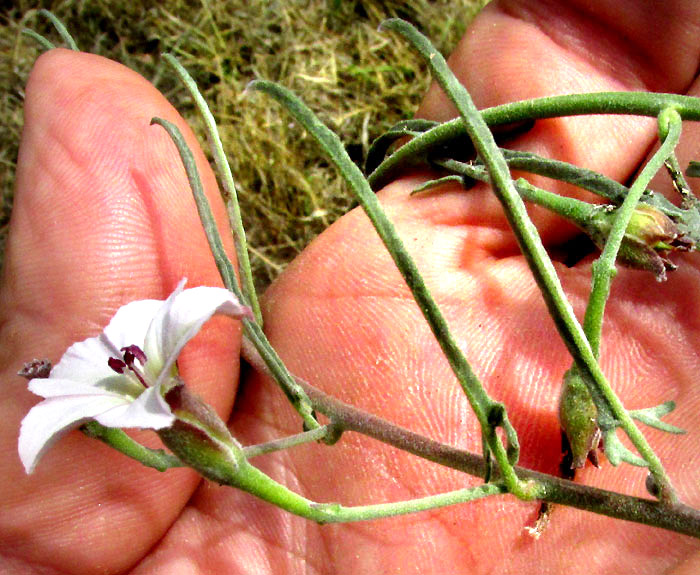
{"x": 118, "y": 378}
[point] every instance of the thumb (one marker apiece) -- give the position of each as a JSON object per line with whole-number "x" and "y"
{"x": 103, "y": 215}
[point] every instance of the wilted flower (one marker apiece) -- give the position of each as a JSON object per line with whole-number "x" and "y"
{"x": 649, "y": 237}
{"x": 120, "y": 377}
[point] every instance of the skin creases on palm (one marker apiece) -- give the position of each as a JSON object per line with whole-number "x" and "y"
{"x": 370, "y": 347}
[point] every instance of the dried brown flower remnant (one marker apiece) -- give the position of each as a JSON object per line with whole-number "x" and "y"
{"x": 37, "y": 368}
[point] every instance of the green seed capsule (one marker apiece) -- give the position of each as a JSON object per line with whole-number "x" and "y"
{"x": 578, "y": 417}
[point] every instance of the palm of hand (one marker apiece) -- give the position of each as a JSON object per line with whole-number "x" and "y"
{"x": 103, "y": 216}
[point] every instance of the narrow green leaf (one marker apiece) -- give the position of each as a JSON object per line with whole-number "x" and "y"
{"x": 480, "y": 401}
{"x": 231, "y": 196}
{"x": 651, "y": 416}
{"x": 252, "y": 330}
{"x": 617, "y": 453}
{"x": 60, "y": 28}
{"x": 45, "y": 43}
{"x": 432, "y": 184}
{"x": 223, "y": 263}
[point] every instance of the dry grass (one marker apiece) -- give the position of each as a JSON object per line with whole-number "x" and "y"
{"x": 329, "y": 51}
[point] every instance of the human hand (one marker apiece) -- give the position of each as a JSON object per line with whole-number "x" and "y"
{"x": 103, "y": 216}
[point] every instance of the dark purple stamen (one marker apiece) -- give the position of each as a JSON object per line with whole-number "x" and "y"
{"x": 116, "y": 364}
{"x": 132, "y": 352}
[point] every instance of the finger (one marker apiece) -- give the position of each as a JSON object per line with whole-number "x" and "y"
{"x": 103, "y": 215}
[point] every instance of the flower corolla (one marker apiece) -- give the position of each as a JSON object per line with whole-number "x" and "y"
{"x": 120, "y": 377}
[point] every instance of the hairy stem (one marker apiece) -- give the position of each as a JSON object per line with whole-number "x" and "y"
{"x": 453, "y": 133}
{"x": 603, "y": 273}
{"x": 490, "y": 413}
{"x": 576, "y": 211}
{"x": 250, "y": 479}
{"x": 677, "y": 517}
{"x": 230, "y": 195}
{"x": 119, "y": 440}
{"x": 251, "y": 329}
{"x": 317, "y": 434}
{"x": 531, "y": 246}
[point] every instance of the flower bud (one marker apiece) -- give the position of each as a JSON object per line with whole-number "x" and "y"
{"x": 578, "y": 417}
{"x": 199, "y": 438}
{"x": 650, "y": 235}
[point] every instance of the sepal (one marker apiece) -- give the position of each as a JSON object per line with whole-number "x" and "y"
{"x": 199, "y": 438}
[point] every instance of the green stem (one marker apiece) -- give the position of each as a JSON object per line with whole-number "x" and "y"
{"x": 317, "y": 434}
{"x": 45, "y": 43}
{"x": 231, "y": 196}
{"x": 679, "y": 518}
{"x": 603, "y": 272}
{"x": 675, "y": 517}
{"x": 502, "y": 184}
{"x": 489, "y": 412}
{"x": 251, "y": 329}
{"x": 60, "y": 28}
{"x": 585, "y": 179}
{"x": 564, "y": 172}
{"x": 435, "y": 140}
{"x": 117, "y": 439}
{"x": 604, "y": 267}
{"x": 250, "y": 479}
{"x": 295, "y": 394}
{"x": 530, "y": 243}
{"x": 576, "y": 211}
